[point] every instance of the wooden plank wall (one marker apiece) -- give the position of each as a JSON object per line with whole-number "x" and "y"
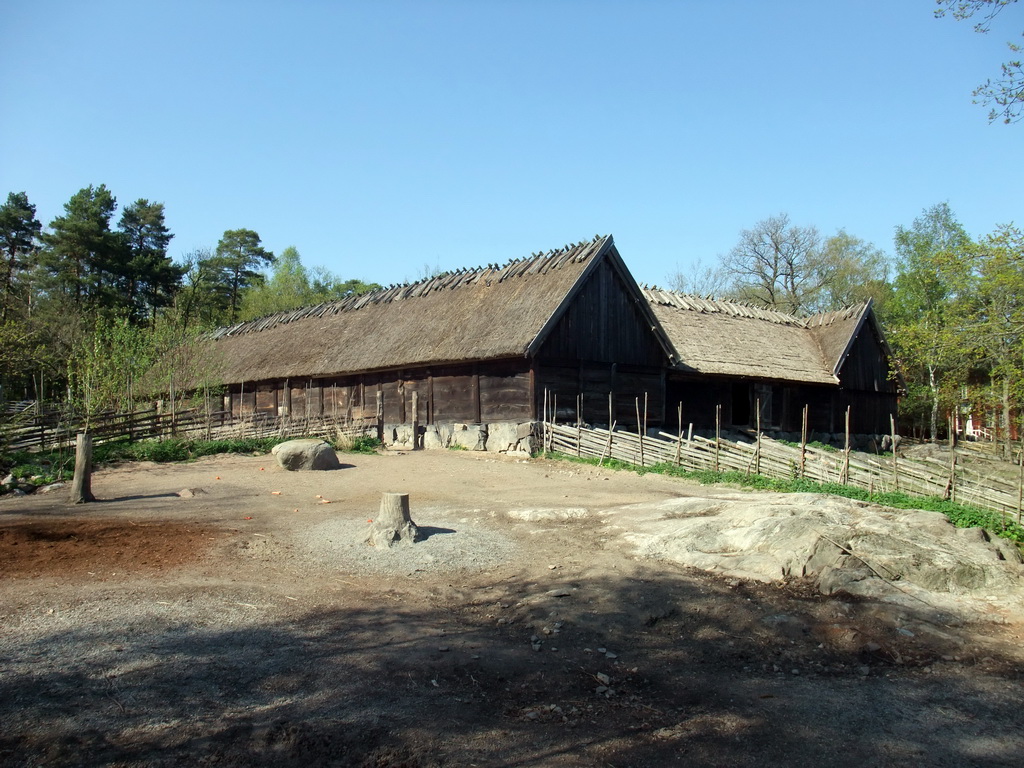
{"x": 604, "y": 324}
{"x": 496, "y": 391}
{"x": 594, "y": 381}
{"x": 867, "y": 368}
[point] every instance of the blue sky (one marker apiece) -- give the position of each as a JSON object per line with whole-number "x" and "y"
{"x": 384, "y": 138}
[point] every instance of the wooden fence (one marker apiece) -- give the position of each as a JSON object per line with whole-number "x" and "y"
{"x": 56, "y": 430}
{"x": 775, "y": 459}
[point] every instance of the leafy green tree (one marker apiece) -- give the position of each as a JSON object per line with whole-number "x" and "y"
{"x": 81, "y": 249}
{"x": 851, "y": 270}
{"x": 19, "y": 234}
{"x": 929, "y": 309}
{"x": 290, "y": 285}
{"x": 147, "y": 277}
{"x": 995, "y": 328}
{"x": 1006, "y": 94}
{"x": 237, "y": 262}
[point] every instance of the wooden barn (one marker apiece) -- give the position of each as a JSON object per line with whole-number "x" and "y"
{"x": 475, "y": 347}
{"x": 741, "y": 357}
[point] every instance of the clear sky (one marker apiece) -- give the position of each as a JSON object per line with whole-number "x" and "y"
{"x": 383, "y": 138}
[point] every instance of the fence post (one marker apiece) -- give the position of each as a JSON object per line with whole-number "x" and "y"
{"x": 803, "y": 442}
{"x": 757, "y": 447}
{"x": 846, "y": 451}
{"x": 895, "y": 465}
{"x": 679, "y": 444}
{"x": 718, "y": 433}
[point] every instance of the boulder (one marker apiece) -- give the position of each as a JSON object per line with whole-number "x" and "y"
{"x": 306, "y": 454}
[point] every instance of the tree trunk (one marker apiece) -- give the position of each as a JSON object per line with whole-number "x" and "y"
{"x": 934, "y": 424}
{"x": 1007, "y": 444}
{"x": 393, "y": 524}
{"x": 81, "y": 486}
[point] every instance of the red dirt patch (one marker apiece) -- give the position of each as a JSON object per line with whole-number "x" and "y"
{"x": 72, "y": 547}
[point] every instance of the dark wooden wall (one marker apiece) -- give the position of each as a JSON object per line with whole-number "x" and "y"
{"x": 603, "y": 323}
{"x": 494, "y": 391}
{"x": 869, "y": 411}
{"x": 866, "y": 368}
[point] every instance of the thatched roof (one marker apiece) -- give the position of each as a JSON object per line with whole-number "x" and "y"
{"x": 732, "y": 339}
{"x": 473, "y": 314}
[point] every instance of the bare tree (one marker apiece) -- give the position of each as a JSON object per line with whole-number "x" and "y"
{"x": 776, "y": 265}
{"x": 699, "y": 280}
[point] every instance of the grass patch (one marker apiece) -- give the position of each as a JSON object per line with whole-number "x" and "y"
{"x": 961, "y": 515}
{"x": 367, "y": 444}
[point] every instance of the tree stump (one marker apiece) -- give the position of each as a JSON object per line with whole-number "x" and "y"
{"x": 393, "y": 524}
{"x": 81, "y": 486}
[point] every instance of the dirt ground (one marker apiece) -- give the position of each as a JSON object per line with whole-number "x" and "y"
{"x": 248, "y": 624}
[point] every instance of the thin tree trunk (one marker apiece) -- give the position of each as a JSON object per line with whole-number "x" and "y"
{"x": 934, "y": 423}
{"x": 81, "y": 486}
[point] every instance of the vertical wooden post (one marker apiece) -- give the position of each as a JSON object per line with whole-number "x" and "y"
{"x": 611, "y": 408}
{"x": 679, "y": 443}
{"x": 757, "y": 447}
{"x": 895, "y": 465}
{"x": 639, "y": 433}
{"x": 579, "y": 422}
{"x": 415, "y": 420}
{"x": 718, "y": 433}
{"x": 81, "y": 485}
{"x": 544, "y": 423}
{"x": 380, "y": 415}
{"x": 803, "y": 442}
{"x": 846, "y": 451}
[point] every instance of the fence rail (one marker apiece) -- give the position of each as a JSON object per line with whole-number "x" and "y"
{"x": 774, "y": 459}
{"x": 56, "y": 430}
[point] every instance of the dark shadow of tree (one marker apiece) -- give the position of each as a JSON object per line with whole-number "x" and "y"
{"x": 658, "y": 668}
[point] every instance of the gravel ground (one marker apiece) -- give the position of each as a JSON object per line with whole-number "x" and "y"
{"x": 250, "y": 625}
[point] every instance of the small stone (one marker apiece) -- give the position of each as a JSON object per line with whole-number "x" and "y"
{"x": 795, "y": 672}
{"x": 905, "y": 632}
{"x": 872, "y": 647}
{"x": 602, "y": 650}
{"x": 601, "y": 689}
{"x": 610, "y": 655}
{"x": 863, "y": 671}
{"x": 603, "y": 678}
{"x": 50, "y": 488}
{"x": 536, "y": 646}
{"x": 534, "y": 639}
{"x": 559, "y": 593}
{"x": 443, "y": 648}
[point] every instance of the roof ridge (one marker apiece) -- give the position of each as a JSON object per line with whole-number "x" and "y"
{"x": 708, "y": 305}
{"x": 536, "y": 264}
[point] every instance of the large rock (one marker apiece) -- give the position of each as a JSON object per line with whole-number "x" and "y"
{"x": 306, "y": 454}
{"x": 840, "y": 544}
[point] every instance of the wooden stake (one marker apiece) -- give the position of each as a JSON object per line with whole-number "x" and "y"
{"x": 81, "y": 485}
{"x": 579, "y": 422}
{"x": 611, "y": 429}
{"x": 803, "y": 442}
{"x": 638, "y": 432}
{"x": 718, "y": 433}
{"x": 415, "y": 420}
{"x": 679, "y": 444}
{"x": 895, "y": 465}
{"x": 757, "y": 449}
{"x": 846, "y": 451}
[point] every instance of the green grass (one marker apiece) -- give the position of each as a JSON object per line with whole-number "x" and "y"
{"x": 961, "y": 515}
{"x": 367, "y": 444}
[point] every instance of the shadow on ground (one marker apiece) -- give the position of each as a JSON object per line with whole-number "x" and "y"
{"x": 660, "y": 667}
